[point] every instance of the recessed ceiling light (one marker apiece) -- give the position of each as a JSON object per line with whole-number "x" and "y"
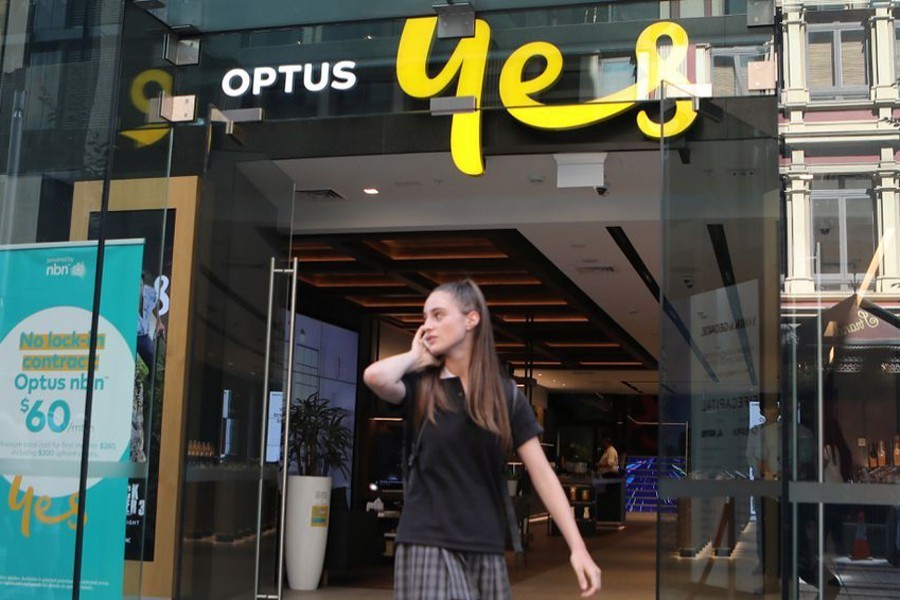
{"x": 371, "y": 191}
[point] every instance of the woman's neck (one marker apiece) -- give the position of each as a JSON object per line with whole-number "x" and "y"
{"x": 458, "y": 366}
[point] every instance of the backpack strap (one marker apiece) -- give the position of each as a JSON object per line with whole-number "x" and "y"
{"x": 412, "y": 454}
{"x": 514, "y": 536}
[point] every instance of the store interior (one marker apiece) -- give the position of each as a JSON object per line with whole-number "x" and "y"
{"x": 571, "y": 269}
{"x": 565, "y": 271}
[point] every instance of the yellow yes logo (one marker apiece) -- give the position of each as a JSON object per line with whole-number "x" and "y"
{"x": 40, "y": 507}
{"x": 469, "y": 59}
{"x": 156, "y": 80}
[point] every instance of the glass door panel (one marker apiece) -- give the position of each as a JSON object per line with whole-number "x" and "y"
{"x": 91, "y": 274}
{"x": 719, "y": 369}
{"x": 238, "y": 363}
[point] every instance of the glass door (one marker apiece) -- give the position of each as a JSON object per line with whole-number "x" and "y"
{"x": 94, "y": 240}
{"x": 720, "y": 520}
{"x": 243, "y": 299}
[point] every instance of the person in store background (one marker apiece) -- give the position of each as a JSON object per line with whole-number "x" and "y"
{"x": 608, "y": 465}
{"x": 465, "y": 417}
{"x": 148, "y": 319}
{"x": 764, "y": 460}
{"x": 764, "y": 444}
{"x": 837, "y": 464}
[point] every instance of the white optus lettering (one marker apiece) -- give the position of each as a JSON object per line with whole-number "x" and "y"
{"x": 228, "y": 83}
{"x": 344, "y": 77}
{"x": 263, "y": 77}
{"x": 289, "y": 71}
{"x": 315, "y": 78}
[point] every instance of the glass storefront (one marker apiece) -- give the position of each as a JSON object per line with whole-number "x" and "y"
{"x": 839, "y": 299}
{"x": 744, "y": 210}
{"x": 88, "y": 266}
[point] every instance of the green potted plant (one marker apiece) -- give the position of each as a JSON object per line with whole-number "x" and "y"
{"x": 579, "y": 456}
{"x": 318, "y": 442}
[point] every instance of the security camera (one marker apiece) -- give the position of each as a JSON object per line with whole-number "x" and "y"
{"x": 688, "y": 282}
{"x": 601, "y": 190}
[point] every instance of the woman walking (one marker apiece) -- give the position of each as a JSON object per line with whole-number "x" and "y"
{"x": 466, "y": 418}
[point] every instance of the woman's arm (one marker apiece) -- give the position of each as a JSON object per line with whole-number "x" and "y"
{"x": 385, "y": 377}
{"x": 549, "y": 489}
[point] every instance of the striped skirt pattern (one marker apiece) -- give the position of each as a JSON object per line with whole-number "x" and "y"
{"x": 432, "y": 573}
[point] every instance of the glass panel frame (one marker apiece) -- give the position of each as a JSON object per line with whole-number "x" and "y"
{"x": 60, "y": 102}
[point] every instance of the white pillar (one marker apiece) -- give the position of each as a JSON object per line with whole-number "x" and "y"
{"x": 799, "y": 278}
{"x": 881, "y": 66}
{"x": 794, "y": 60}
{"x": 887, "y": 207}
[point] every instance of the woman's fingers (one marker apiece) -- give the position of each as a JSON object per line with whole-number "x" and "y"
{"x": 582, "y": 580}
{"x": 419, "y": 340}
{"x": 588, "y": 574}
{"x": 589, "y": 581}
{"x": 594, "y": 575}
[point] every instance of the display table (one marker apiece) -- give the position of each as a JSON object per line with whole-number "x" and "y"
{"x": 595, "y": 502}
{"x": 609, "y": 496}
{"x": 388, "y": 521}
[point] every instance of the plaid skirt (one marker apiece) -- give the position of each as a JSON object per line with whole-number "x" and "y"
{"x": 432, "y": 573}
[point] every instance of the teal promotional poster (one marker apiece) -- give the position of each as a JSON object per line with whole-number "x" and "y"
{"x": 45, "y": 321}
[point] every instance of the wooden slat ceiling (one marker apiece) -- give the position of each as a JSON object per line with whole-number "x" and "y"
{"x": 538, "y": 313}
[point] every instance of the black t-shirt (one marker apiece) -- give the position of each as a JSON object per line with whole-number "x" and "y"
{"x": 455, "y": 497}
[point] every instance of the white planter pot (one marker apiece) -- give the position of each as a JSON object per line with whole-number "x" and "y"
{"x": 306, "y": 530}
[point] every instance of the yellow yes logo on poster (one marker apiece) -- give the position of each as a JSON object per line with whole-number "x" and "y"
{"x": 40, "y": 508}
{"x": 319, "y": 516}
{"x": 467, "y": 64}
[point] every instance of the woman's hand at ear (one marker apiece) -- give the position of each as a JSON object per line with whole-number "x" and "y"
{"x": 385, "y": 377}
{"x": 424, "y": 358}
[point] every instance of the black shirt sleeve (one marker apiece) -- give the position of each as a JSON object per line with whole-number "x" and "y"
{"x": 411, "y": 381}
{"x": 523, "y": 423}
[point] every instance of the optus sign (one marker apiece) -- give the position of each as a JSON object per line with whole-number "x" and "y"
{"x": 339, "y": 76}
{"x": 467, "y": 65}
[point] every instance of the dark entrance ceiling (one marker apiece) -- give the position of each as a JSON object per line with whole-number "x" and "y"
{"x": 538, "y": 313}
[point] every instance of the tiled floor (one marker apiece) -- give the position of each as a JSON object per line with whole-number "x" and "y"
{"x": 626, "y": 557}
{"x": 628, "y": 560}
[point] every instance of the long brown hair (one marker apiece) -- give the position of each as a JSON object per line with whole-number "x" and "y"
{"x": 486, "y": 399}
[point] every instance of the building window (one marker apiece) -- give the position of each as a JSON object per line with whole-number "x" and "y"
{"x": 606, "y": 75}
{"x": 614, "y": 12}
{"x": 729, "y": 70}
{"x": 837, "y": 59}
{"x": 843, "y": 236}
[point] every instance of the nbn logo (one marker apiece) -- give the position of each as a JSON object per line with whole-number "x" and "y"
{"x": 56, "y": 270}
